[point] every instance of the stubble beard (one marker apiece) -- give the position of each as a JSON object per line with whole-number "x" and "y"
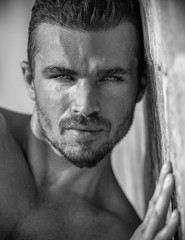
{"x": 88, "y": 156}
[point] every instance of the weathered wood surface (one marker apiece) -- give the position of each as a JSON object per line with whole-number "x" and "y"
{"x": 164, "y": 35}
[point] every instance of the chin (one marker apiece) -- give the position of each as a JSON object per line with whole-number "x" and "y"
{"x": 83, "y": 163}
{"x": 84, "y": 155}
{"x": 84, "y": 158}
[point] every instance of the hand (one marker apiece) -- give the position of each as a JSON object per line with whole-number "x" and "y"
{"x": 154, "y": 226}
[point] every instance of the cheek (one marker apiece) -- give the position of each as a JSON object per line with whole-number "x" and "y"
{"x": 115, "y": 110}
{"x": 53, "y": 100}
{"x": 117, "y": 106}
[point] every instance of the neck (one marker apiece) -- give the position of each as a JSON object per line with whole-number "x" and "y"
{"x": 54, "y": 172}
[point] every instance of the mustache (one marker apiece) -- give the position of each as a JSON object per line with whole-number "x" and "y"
{"x": 77, "y": 121}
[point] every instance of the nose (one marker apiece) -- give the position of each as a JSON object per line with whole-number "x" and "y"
{"x": 85, "y": 99}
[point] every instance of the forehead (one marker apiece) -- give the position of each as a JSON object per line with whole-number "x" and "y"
{"x": 75, "y": 48}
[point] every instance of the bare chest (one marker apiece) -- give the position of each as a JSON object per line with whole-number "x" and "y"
{"x": 71, "y": 219}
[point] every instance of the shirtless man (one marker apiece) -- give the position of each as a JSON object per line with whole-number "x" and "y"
{"x": 84, "y": 72}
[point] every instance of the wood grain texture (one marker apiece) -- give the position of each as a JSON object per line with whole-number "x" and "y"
{"x": 164, "y": 36}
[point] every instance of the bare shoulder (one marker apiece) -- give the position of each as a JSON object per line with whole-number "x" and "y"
{"x": 16, "y": 123}
{"x": 14, "y": 119}
{"x": 16, "y": 180}
{"x": 12, "y": 127}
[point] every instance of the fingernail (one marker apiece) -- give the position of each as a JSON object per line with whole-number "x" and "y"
{"x": 166, "y": 166}
{"x": 168, "y": 180}
{"x": 174, "y": 215}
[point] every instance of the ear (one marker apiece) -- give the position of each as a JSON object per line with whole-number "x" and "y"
{"x": 28, "y": 78}
{"x": 141, "y": 88}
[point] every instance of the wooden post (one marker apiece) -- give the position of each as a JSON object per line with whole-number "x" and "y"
{"x": 164, "y": 37}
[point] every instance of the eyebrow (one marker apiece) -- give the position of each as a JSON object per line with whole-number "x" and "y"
{"x": 114, "y": 71}
{"x": 58, "y": 70}
{"x": 101, "y": 72}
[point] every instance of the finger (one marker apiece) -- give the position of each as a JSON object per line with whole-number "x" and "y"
{"x": 157, "y": 215}
{"x": 163, "y": 201}
{"x": 170, "y": 229}
{"x": 166, "y": 169}
{"x": 160, "y": 206}
{"x": 151, "y": 226}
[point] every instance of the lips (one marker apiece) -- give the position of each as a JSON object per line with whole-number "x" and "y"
{"x": 84, "y": 124}
{"x": 85, "y": 129}
{"x": 86, "y": 133}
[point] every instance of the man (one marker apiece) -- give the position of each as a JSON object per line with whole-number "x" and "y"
{"x": 84, "y": 72}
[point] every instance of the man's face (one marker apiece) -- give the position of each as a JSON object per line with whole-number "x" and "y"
{"x": 86, "y": 88}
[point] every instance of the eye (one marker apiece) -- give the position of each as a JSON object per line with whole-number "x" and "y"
{"x": 63, "y": 77}
{"x": 112, "y": 79}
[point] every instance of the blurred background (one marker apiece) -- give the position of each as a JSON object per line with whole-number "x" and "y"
{"x": 128, "y": 156}
{"x": 14, "y": 19}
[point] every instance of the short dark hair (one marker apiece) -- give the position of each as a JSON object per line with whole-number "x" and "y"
{"x": 89, "y": 15}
